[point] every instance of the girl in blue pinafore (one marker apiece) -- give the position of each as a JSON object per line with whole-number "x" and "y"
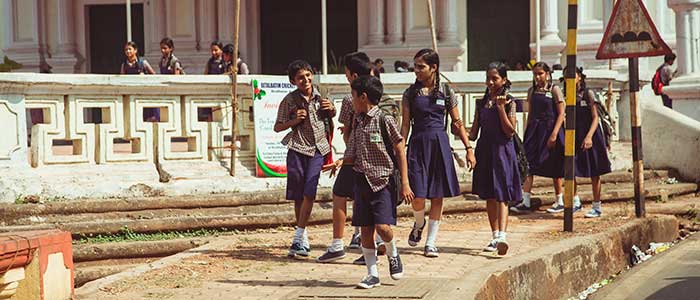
{"x": 544, "y": 134}
{"x": 496, "y": 176}
{"x": 431, "y": 171}
{"x": 591, "y": 157}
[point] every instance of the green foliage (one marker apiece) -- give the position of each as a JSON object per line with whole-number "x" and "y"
{"x": 8, "y": 65}
{"x": 128, "y": 235}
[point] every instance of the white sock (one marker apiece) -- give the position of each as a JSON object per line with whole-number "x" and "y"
{"x": 357, "y": 230}
{"x": 378, "y": 239}
{"x": 502, "y": 235}
{"x": 391, "y": 248}
{"x": 433, "y": 226}
{"x": 596, "y": 205}
{"x": 337, "y": 245}
{"x": 305, "y": 239}
{"x": 420, "y": 218}
{"x": 494, "y": 235}
{"x": 371, "y": 261}
{"x": 526, "y": 199}
{"x": 299, "y": 235}
{"x": 560, "y": 199}
{"x": 577, "y": 201}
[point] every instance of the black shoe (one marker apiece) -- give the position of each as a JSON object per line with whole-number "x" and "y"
{"x": 354, "y": 241}
{"x": 359, "y": 261}
{"x": 297, "y": 250}
{"x": 395, "y": 267}
{"x": 369, "y": 282}
{"x": 330, "y": 256}
{"x": 415, "y": 235}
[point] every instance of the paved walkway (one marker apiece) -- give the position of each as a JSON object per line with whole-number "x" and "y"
{"x": 254, "y": 266}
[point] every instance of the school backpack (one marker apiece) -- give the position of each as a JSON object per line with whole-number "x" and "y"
{"x": 605, "y": 122}
{"x": 656, "y": 83}
{"x": 389, "y": 107}
{"x": 523, "y": 164}
{"x": 395, "y": 177}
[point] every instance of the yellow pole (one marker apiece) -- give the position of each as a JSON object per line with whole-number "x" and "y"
{"x": 570, "y": 137}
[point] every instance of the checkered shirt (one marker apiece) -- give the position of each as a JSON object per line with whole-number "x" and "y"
{"x": 346, "y": 111}
{"x": 368, "y": 150}
{"x": 310, "y": 135}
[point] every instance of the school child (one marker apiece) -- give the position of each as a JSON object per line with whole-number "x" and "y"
{"x": 169, "y": 64}
{"x": 544, "y": 135}
{"x": 215, "y": 65}
{"x": 228, "y": 58}
{"x": 304, "y": 111}
{"x": 431, "y": 171}
{"x": 242, "y": 66}
{"x": 374, "y": 136}
{"x": 356, "y": 65}
{"x": 133, "y": 63}
{"x": 591, "y": 160}
{"x": 496, "y": 176}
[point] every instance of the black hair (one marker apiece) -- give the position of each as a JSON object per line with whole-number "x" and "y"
{"x": 217, "y": 43}
{"x": 357, "y": 63}
{"x": 502, "y": 69}
{"x": 557, "y": 67}
{"x": 669, "y": 57}
{"x": 547, "y": 70}
{"x": 132, "y": 44}
{"x": 378, "y": 61}
{"x": 228, "y": 49}
{"x": 369, "y": 85}
{"x": 430, "y": 57}
{"x": 296, "y": 66}
{"x": 579, "y": 71}
{"x": 168, "y": 42}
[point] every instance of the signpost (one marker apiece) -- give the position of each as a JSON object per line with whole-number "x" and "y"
{"x": 631, "y": 34}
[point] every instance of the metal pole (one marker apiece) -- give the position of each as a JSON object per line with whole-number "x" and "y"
{"x": 570, "y": 137}
{"x": 324, "y": 37}
{"x": 234, "y": 84}
{"x": 538, "y": 33}
{"x": 128, "y": 20}
{"x": 432, "y": 25}
{"x": 637, "y": 157}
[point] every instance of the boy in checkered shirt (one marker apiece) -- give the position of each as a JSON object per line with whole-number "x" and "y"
{"x": 307, "y": 114}
{"x": 374, "y": 207}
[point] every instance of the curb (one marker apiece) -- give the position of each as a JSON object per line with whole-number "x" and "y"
{"x": 561, "y": 270}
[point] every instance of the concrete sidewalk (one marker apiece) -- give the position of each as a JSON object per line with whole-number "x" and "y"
{"x": 254, "y": 265}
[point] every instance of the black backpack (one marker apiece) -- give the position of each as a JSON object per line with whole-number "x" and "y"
{"x": 395, "y": 177}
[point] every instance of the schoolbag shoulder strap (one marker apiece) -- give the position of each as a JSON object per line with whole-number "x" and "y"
{"x": 385, "y": 138}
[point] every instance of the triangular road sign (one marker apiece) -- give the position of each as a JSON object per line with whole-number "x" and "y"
{"x": 631, "y": 33}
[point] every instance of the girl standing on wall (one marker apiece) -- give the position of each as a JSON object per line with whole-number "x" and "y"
{"x": 496, "y": 176}
{"x": 431, "y": 171}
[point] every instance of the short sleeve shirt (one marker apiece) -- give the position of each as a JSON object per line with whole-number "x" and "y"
{"x": 346, "y": 111}
{"x": 310, "y": 135}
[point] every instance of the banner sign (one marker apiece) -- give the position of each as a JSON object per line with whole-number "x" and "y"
{"x": 270, "y": 154}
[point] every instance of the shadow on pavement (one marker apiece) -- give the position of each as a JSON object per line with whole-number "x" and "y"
{"x": 686, "y": 289}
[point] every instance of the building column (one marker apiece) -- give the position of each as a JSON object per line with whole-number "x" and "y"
{"x": 549, "y": 13}
{"x": 376, "y": 22}
{"x": 65, "y": 57}
{"x": 447, "y": 21}
{"x": 394, "y": 22}
{"x": 157, "y": 13}
{"x": 687, "y": 35}
{"x": 23, "y": 43}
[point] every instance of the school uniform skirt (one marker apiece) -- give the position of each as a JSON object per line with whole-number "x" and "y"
{"x": 431, "y": 171}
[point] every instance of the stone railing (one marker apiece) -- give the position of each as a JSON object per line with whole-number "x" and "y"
{"x": 70, "y": 136}
{"x": 103, "y": 119}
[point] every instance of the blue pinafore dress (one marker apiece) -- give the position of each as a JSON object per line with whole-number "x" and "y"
{"x": 431, "y": 171}
{"x": 496, "y": 173}
{"x": 542, "y": 160}
{"x": 594, "y": 161}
